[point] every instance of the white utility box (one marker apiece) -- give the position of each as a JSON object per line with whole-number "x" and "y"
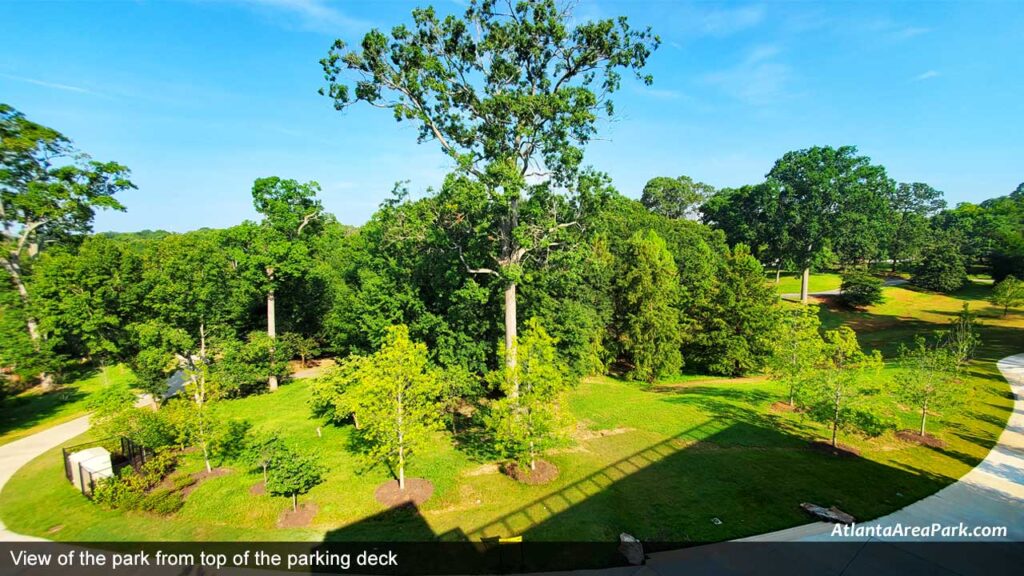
{"x": 91, "y": 464}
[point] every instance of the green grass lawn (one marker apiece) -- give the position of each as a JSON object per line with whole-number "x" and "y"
{"x": 34, "y": 410}
{"x": 658, "y": 462}
{"x": 789, "y": 283}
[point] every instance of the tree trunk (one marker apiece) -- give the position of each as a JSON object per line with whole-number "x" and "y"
{"x": 835, "y": 427}
{"x": 778, "y": 271}
{"x": 264, "y": 475}
{"x": 804, "y": 281}
{"x": 924, "y": 417}
{"x": 295, "y": 501}
{"x": 206, "y": 457}
{"x": 401, "y": 446}
{"x": 14, "y": 269}
{"x": 510, "y": 334}
{"x": 894, "y": 265}
{"x": 272, "y": 332}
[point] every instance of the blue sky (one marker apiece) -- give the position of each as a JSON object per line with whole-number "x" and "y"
{"x": 199, "y": 98}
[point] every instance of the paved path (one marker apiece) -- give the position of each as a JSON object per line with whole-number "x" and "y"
{"x": 20, "y": 452}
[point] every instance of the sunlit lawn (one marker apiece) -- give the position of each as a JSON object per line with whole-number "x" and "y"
{"x": 789, "y": 282}
{"x": 34, "y": 410}
{"x": 658, "y": 462}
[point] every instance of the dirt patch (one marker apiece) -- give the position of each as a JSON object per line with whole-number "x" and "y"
{"x": 543, "y": 473}
{"x": 923, "y": 439}
{"x": 842, "y": 450}
{"x": 201, "y": 477}
{"x": 417, "y": 491}
{"x": 783, "y": 407}
{"x": 483, "y": 470}
{"x": 583, "y": 432}
{"x": 298, "y": 518}
{"x": 312, "y": 369}
{"x": 258, "y": 489}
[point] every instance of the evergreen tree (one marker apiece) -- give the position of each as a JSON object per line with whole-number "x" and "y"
{"x": 648, "y": 288}
{"x": 738, "y": 325}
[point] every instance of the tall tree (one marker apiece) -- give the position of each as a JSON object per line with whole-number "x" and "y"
{"x": 826, "y": 194}
{"x": 675, "y": 197}
{"x": 277, "y": 248}
{"x": 650, "y": 332}
{"x": 49, "y": 192}
{"x": 512, "y": 94}
{"x": 911, "y": 207}
{"x": 739, "y": 322}
{"x": 749, "y": 215}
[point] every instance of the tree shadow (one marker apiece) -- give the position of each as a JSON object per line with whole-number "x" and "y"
{"x": 688, "y": 489}
{"x": 26, "y": 411}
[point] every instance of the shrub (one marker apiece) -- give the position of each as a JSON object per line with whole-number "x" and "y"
{"x": 860, "y": 289}
{"x": 183, "y": 481}
{"x": 130, "y": 490}
{"x": 164, "y": 502}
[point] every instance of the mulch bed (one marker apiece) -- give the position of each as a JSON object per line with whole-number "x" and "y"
{"x": 298, "y": 518}
{"x": 783, "y": 407}
{"x": 417, "y": 491}
{"x": 258, "y": 489}
{"x": 917, "y": 438}
{"x": 842, "y": 450}
{"x": 545, "y": 472}
{"x": 201, "y": 477}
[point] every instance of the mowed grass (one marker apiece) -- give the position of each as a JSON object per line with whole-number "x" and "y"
{"x": 659, "y": 462}
{"x": 789, "y": 282}
{"x": 34, "y": 410}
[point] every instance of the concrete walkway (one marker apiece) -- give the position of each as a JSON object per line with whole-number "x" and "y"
{"x": 20, "y": 452}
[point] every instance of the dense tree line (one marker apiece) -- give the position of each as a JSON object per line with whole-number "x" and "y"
{"x": 824, "y": 207}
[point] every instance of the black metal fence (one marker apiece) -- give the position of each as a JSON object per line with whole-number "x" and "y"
{"x": 130, "y": 455}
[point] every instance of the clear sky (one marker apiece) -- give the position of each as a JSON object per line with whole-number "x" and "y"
{"x": 199, "y": 98}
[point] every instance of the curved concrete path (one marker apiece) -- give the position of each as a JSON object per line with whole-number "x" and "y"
{"x": 20, "y": 452}
{"x": 991, "y": 494}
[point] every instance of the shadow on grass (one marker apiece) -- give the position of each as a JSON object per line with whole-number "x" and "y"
{"x": 26, "y": 411}
{"x": 749, "y": 478}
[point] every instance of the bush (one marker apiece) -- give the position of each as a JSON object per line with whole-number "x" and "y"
{"x": 860, "y": 289}
{"x": 941, "y": 270}
{"x": 131, "y": 490}
{"x": 164, "y": 502}
{"x": 870, "y": 423}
